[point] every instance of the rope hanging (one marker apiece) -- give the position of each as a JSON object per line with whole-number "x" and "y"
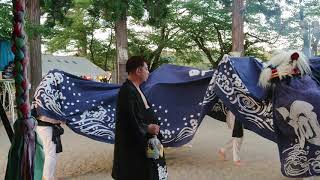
{"x": 25, "y": 124}
{"x": 21, "y": 61}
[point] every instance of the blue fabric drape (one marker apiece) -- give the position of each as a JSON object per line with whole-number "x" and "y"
{"x": 6, "y": 55}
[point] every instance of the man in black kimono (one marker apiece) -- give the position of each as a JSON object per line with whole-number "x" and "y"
{"x": 135, "y": 125}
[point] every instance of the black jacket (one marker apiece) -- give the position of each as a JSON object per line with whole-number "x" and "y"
{"x": 130, "y": 161}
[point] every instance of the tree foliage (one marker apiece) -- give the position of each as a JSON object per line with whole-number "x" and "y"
{"x": 5, "y": 20}
{"x": 189, "y": 32}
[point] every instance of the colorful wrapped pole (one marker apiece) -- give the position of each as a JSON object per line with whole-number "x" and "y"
{"x": 25, "y": 159}
{"x": 21, "y": 61}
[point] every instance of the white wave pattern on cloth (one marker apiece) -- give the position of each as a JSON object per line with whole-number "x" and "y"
{"x": 175, "y": 135}
{"x": 51, "y": 97}
{"x": 237, "y": 93}
{"x": 297, "y": 162}
{"x": 92, "y": 123}
{"x": 210, "y": 94}
{"x": 304, "y": 122}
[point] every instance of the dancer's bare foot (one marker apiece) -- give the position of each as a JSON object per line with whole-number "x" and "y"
{"x": 238, "y": 163}
{"x": 222, "y": 155}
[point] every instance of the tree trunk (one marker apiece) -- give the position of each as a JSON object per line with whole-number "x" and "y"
{"x": 91, "y": 47}
{"x": 223, "y": 48}
{"x": 200, "y": 42}
{"x": 106, "y": 63}
{"x": 316, "y": 37}
{"x": 315, "y": 46}
{"x": 84, "y": 44}
{"x": 237, "y": 27}
{"x": 305, "y": 33}
{"x": 306, "y": 39}
{"x": 122, "y": 48}
{"x": 35, "y": 66}
{"x": 157, "y": 53}
{"x": 156, "y": 59}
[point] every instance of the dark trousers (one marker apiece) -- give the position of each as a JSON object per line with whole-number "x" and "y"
{"x": 237, "y": 129}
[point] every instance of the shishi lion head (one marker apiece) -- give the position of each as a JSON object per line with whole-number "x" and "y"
{"x": 284, "y": 64}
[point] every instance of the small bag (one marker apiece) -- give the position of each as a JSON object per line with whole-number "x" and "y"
{"x": 154, "y": 148}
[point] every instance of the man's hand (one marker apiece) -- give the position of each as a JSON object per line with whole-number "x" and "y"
{"x": 153, "y": 129}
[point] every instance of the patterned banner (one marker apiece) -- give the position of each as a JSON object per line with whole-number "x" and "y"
{"x": 288, "y": 114}
{"x": 297, "y": 118}
{"x": 182, "y": 96}
{"x": 235, "y": 84}
{"x": 88, "y": 107}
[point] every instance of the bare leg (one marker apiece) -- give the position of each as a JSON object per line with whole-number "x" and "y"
{"x": 50, "y": 161}
{"x": 237, "y": 142}
{"x": 226, "y": 147}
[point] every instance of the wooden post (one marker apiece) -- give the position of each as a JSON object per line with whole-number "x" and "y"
{"x": 33, "y": 14}
{"x": 122, "y": 48}
{"x": 237, "y": 27}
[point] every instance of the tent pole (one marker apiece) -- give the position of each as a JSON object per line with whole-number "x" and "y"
{"x": 6, "y": 123}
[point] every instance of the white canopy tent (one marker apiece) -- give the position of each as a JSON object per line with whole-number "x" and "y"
{"x": 78, "y": 66}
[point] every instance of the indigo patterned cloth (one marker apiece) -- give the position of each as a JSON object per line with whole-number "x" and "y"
{"x": 296, "y": 105}
{"x": 88, "y": 107}
{"x": 287, "y": 113}
{"x": 234, "y": 87}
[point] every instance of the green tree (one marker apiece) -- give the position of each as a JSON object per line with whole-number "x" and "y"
{"x": 207, "y": 26}
{"x": 77, "y": 32}
{"x": 5, "y": 20}
{"x": 186, "y": 33}
{"x": 74, "y": 33}
{"x": 55, "y": 11}
{"x": 298, "y": 26}
{"x": 118, "y": 11}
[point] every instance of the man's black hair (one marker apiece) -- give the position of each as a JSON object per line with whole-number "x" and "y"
{"x": 134, "y": 63}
